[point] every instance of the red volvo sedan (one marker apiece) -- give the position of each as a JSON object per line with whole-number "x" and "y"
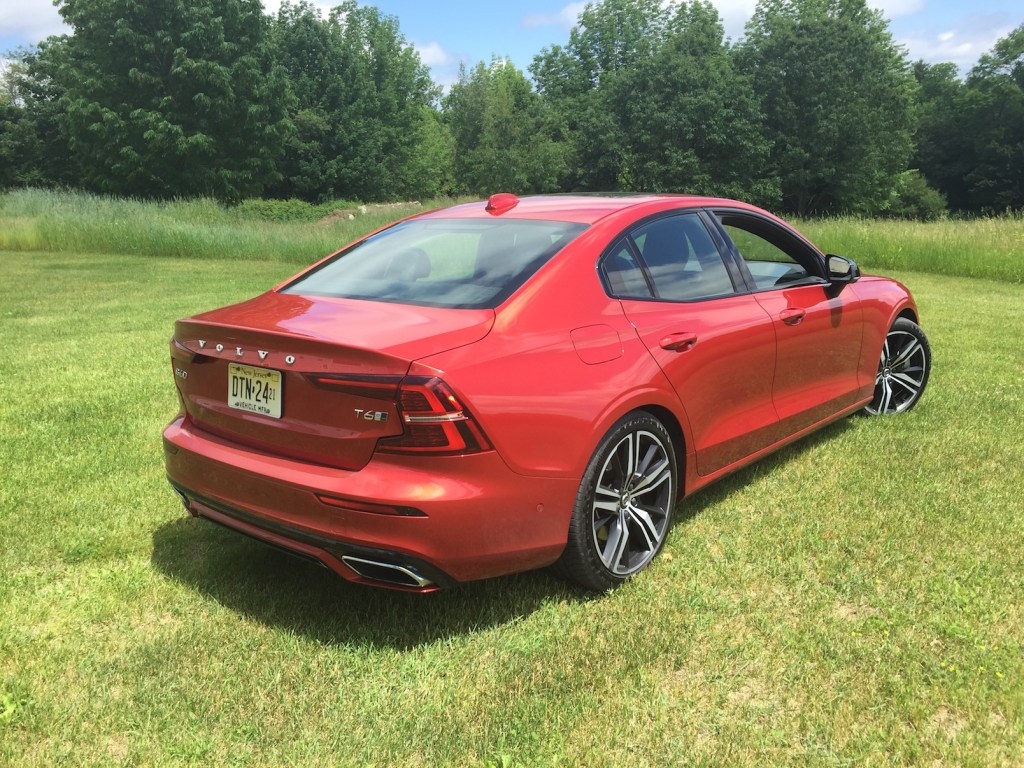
{"x": 511, "y": 384}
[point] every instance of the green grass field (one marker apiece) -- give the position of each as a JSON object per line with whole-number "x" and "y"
{"x": 855, "y": 599}
{"x": 66, "y": 222}
{"x": 39, "y": 220}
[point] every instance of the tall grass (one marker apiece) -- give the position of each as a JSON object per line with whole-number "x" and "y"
{"x": 987, "y": 247}
{"x": 74, "y": 222}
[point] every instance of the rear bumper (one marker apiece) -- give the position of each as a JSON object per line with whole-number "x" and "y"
{"x": 463, "y": 517}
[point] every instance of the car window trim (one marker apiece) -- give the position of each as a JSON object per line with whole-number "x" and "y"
{"x": 730, "y": 255}
{"x": 739, "y": 281}
{"x": 623, "y": 239}
{"x": 811, "y": 254}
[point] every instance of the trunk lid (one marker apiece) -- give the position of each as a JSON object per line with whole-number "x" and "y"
{"x": 309, "y": 378}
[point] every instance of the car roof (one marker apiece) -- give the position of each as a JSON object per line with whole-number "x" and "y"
{"x": 579, "y": 208}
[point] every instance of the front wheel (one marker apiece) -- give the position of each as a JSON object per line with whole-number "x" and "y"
{"x": 624, "y": 505}
{"x": 903, "y": 369}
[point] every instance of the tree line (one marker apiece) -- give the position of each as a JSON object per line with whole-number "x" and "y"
{"x": 816, "y": 110}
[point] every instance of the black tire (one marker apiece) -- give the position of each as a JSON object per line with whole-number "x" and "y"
{"x": 903, "y": 369}
{"x": 624, "y": 506}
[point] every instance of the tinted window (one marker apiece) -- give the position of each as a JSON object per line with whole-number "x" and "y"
{"x": 773, "y": 258}
{"x": 681, "y": 259}
{"x": 463, "y": 263}
{"x": 623, "y": 272}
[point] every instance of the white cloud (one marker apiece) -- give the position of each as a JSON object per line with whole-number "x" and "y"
{"x": 734, "y": 13}
{"x": 433, "y": 55}
{"x": 444, "y": 65}
{"x": 565, "y": 18}
{"x": 30, "y": 20}
{"x": 963, "y": 45}
{"x": 893, "y": 8}
{"x": 971, "y": 36}
{"x": 273, "y": 6}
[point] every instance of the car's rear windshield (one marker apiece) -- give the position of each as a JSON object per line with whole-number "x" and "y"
{"x": 459, "y": 263}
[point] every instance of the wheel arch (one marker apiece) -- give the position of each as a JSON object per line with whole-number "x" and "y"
{"x": 670, "y": 421}
{"x": 656, "y": 402}
{"x": 908, "y": 364}
{"x": 632, "y": 535}
{"x": 900, "y": 300}
{"x": 907, "y": 312}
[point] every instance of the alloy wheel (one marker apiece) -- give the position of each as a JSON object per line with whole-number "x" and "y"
{"x": 902, "y": 370}
{"x": 632, "y": 502}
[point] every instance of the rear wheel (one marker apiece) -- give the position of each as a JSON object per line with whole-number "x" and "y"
{"x": 903, "y": 369}
{"x": 624, "y": 506}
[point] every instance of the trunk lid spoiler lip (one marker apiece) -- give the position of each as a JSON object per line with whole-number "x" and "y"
{"x": 401, "y": 332}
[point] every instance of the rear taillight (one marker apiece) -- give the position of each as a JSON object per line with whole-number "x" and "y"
{"x": 434, "y": 421}
{"x": 375, "y": 387}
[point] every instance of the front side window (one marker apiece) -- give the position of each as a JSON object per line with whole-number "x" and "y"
{"x": 773, "y": 258}
{"x": 458, "y": 263}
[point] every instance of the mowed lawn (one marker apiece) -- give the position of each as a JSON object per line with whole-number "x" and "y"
{"x": 855, "y": 599}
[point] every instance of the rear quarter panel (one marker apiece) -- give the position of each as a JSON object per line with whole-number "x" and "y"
{"x": 542, "y": 406}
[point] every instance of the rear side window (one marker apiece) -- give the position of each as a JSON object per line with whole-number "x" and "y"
{"x": 458, "y": 263}
{"x": 624, "y": 274}
{"x": 671, "y": 258}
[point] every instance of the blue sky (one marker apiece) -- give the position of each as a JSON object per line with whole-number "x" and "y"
{"x": 447, "y": 32}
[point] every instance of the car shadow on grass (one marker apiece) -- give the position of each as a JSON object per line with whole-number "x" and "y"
{"x": 277, "y": 589}
{"x": 720, "y": 490}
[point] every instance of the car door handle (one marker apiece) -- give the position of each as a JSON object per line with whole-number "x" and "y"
{"x": 792, "y": 315}
{"x": 679, "y": 342}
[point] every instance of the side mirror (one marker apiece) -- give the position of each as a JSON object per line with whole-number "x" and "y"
{"x": 841, "y": 271}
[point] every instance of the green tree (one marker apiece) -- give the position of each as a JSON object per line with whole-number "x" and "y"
{"x": 365, "y": 127}
{"x": 691, "y": 122}
{"x": 610, "y": 40}
{"x": 430, "y": 166}
{"x": 995, "y": 121}
{"x": 504, "y": 138}
{"x": 16, "y": 136}
{"x": 914, "y": 198}
{"x": 651, "y": 100}
{"x": 33, "y": 146}
{"x": 944, "y": 147}
{"x": 13, "y": 126}
{"x": 172, "y": 98}
{"x": 9, "y": 72}
{"x": 308, "y": 52}
{"x": 838, "y": 98}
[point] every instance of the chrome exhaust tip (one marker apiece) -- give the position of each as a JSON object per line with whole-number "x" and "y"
{"x": 389, "y": 573}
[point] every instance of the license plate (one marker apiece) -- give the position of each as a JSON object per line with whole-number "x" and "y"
{"x": 257, "y": 390}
